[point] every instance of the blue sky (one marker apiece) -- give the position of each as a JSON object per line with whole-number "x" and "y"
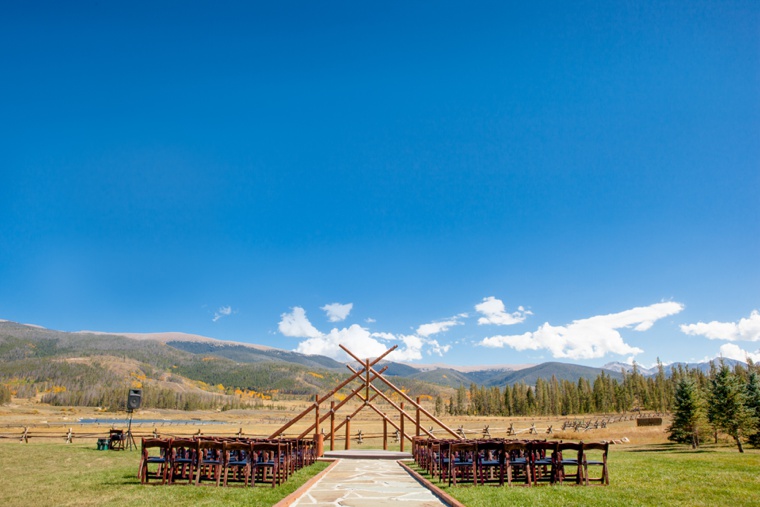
{"x": 479, "y": 182}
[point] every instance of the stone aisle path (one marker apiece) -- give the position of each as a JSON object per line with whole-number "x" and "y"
{"x": 368, "y": 483}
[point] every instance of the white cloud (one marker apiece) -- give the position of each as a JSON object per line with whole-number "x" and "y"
{"x": 745, "y": 330}
{"x": 369, "y": 320}
{"x": 296, "y": 324}
{"x": 588, "y": 338}
{"x": 361, "y": 341}
{"x": 733, "y": 351}
{"x": 224, "y": 311}
{"x": 411, "y": 351}
{"x": 337, "y": 312}
{"x": 367, "y": 345}
{"x": 494, "y": 312}
{"x": 439, "y": 327}
{"x": 357, "y": 339}
{"x": 436, "y": 348}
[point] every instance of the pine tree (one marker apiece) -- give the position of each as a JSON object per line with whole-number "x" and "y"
{"x": 438, "y": 406}
{"x": 753, "y": 404}
{"x": 687, "y": 415}
{"x": 727, "y": 409}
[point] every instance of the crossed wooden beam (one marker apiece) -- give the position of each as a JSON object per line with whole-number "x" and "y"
{"x": 366, "y": 375}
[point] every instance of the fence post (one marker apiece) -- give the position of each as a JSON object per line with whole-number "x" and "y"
{"x": 332, "y": 425}
{"x": 25, "y": 436}
{"x": 417, "y": 418}
{"x": 401, "y": 447}
{"x": 70, "y": 436}
{"x": 348, "y": 432}
{"x": 316, "y": 413}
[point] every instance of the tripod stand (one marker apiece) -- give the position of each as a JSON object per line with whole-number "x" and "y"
{"x": 129, "y": 437}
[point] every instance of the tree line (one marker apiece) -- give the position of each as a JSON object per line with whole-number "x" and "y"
{"x": 555, "y": 397}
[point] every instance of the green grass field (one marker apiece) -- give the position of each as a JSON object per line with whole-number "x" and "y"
{"x": 42, "y": 475}
{"x": 654, "y": 475}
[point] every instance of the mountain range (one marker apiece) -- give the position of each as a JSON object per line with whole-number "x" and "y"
{"x": 215, "y": 362}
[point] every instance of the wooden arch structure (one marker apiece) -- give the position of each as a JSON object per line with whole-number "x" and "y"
{"x": 367, "y": 393}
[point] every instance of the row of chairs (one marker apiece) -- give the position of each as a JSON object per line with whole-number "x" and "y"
{"x": 499, "y": 461}
{"x": 223, "y": 460}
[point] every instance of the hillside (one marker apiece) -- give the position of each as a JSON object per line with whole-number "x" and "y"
{"x": 96, "y": 369}
{"x": 248, "y": 354}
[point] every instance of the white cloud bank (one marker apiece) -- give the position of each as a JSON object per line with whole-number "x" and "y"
{"x": 337, "y": 312}
{"x": 745, "y": 330}
{"x": 494, "y": 312}
{"x": 224, "y": 311}
{"x": 588, "y": 338}
{"x": 359, "y": 340}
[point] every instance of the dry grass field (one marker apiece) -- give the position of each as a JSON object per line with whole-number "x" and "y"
{"x": 51, "y": 424}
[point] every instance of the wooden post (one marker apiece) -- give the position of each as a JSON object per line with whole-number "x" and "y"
{"x": 348, "y": 433}
{"x": 332, "y": 425}
{"x": 70, "y": 436}
{"x": 366, "y": 394}
{"x": 319, "y": 443}
{"x": 402, "y": 427}
{"x": 316, "y": 411}
{"x": 417, "y": 421}
{"x": 385, "y": 434}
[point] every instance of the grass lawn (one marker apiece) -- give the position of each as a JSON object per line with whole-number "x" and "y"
{"x": 43, "y": 474}
{"x": 55, "y": 474}
{"x": 654, "y": 475}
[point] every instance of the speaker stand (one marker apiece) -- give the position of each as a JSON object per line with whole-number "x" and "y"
{"x": 130, "y": 438}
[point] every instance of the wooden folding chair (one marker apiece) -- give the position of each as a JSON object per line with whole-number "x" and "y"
{"x": 433, "y": 453}
{"x": 266, "y": 461}
{"x": 491, "y": 461}
{"x": 516, "y": 461}
{"x": 154, "y": 451}
{"x": 543, "y": 462}
{"x": 463, "y": 462}
{"x": 444, "y": 457}
{"x": 210, "y": 461}
{"x": 184, "y": 460}
{"x": 569, "y": 462}
{"x": 116, "y": 440}
{"x": 237, "y": 458}
{"x": 588, "y": 460}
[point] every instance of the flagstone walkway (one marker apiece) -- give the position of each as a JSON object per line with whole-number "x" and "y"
{"x": 368, "y": 483}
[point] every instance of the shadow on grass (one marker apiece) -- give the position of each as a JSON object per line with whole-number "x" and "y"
{"x": 676, "y": 449}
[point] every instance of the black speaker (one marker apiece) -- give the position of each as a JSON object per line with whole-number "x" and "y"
{"x": 134, "y": 399}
